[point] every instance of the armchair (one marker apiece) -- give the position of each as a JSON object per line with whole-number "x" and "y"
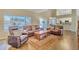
{"x": 17, "y": 41}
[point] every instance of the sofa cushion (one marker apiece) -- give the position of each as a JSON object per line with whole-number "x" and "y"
{"x": 17, "y": 32}
{"x": 30, "y": 31}
{"x": 22, "y": 37}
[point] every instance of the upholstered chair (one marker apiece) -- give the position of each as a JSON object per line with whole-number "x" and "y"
{"x": 17, "y": 41}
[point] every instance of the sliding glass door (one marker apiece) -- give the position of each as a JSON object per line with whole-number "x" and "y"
{"x": 43, "y": 23}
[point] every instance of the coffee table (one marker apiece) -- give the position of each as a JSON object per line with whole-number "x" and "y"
{"x": 40, "y": 34}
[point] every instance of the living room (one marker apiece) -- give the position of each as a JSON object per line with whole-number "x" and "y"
{"x": 39, "y": 29}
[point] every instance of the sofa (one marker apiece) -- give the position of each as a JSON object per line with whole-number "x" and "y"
{"x": 17, "y": 41}
{"x": 16, "y": 38}
{"x": 58, "y": 30}
{"x": 28, "y": 30}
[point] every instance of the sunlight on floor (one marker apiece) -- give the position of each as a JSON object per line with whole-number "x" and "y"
{"x": 4, "y": 45}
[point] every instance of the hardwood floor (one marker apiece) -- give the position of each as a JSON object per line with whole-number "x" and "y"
{"x": 68, "y": 41}
{"x": 51, "y": 42}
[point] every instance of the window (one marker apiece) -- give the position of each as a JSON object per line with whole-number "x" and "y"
{"x": 52, "y": 21}
{"x": 17, "y": 21}
{"x": 64, "y": 11}
{"x": 28, "y": 20}
{"x": 6, "y": 22}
